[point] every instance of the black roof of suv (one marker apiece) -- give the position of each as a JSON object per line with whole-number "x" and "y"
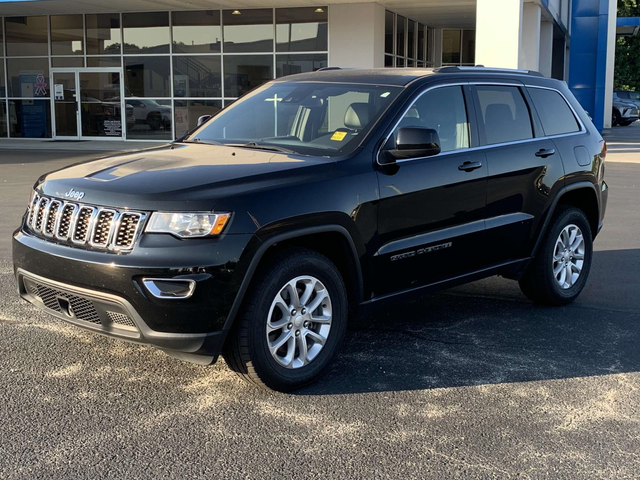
{"x": 315, "y": 198}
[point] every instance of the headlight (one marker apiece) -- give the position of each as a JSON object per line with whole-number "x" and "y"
{"x": 188, "y": 225}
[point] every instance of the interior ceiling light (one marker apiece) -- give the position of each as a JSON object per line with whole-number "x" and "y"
{"x": 319, "y": 10}
{"x": 236, "y": 12}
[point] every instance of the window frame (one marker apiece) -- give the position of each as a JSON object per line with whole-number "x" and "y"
{"x": 581, "y": 127}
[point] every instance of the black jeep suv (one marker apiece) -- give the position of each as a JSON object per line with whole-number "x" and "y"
{"x": 315, "y": 198}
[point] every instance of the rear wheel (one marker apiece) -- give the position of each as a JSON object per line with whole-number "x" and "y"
{"x": 293, "y": 322}
{"x": 559, "y": 271}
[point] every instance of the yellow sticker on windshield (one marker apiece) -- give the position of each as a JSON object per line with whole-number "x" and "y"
{"x": 338, "y": 136}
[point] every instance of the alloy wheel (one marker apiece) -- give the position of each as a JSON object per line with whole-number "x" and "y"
{"x": 568, "y": 256}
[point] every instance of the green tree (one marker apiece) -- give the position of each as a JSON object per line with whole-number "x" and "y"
{"x": 627, "y": 71}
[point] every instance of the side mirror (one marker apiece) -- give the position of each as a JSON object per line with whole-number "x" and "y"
{"x": 203, "y": 119}
{"x": 416, "y": 142}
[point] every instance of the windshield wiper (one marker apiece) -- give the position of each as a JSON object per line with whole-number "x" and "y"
{"x": 262, "y": 146}
{"x": 199, "y": 140}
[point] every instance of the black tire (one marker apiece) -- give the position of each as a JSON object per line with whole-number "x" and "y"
{"x": 626, "y": 124}
{"x": 154, "y": 121}
{"x": 615, "y": 118}
{"x": 246, "y": 350}
{"x": 539, "y": 283}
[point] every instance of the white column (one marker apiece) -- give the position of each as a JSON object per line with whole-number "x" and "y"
{"x": 437, "y": 47}
{"x": 498, "y": 33}
{"x": 546, "y": 48}
{"x": 356, "y": 35}
{"x": 611, "y": 58}
{"x": 530, "y": 38}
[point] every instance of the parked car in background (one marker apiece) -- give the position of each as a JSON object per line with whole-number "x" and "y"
{"x": 627, "y": 97}
{"x": 624, "y": 111}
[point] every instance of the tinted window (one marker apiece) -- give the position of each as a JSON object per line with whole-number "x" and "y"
{"x": 146, "y": 32}
{"x": 26, "y": 36}
{"x": 248, "y": 30}
{"x": 555, "y": 115}
{"x": 103, "y": 33}
{"x": 67, "y": 36}
{"x": 444, "y": 111}
{"x": 622, "y": 94}
{"x": 301, "y": 29}
{"x": 196, "y": 32}
{"x": 504, "y": 113}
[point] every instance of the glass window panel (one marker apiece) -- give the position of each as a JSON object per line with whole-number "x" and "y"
{"x": 103, "y": 34}
{"x": 146, "y": 32}
{"x": 100, "y": 105}
{"x": 67, "y": 35}
{"x": 197, "y": 76}
{"x": 388, "y": 61}
{"x": 443, "y": 110}
{"x": 389, "y": 19}
{"x": 504, "y": 113}
{"x": 196, "y": 32}
{"x": 3, "y": 89}
{"x": 147, "y": 76}
{"x": 3, "y": 118}
{"x": 301, "y": 29}
{"x": 67, "y": 62}
{"x": 556, "y": 116}
{"x": 401, "y": 35}
{"x": 187, "y": 112}
{"x": 104, "y": 62}
{"x": 26, "y": 36}
{"x": 30, "y": 118}
{"x": 244, "y": 72}
{"x": 451, "y": 46}
{"x": 421, "y": 34}
{"x": 1, "y": 40}
{"x": 148, "y": 119}
{"x": 399, "y": 62}
{"x": 469, "y": 46}
{"x": 411, "y": 50}
{"x": 248, "y": 30}
{"x": 28, "y": 77}
{"x": 430, "y": 38}
{"x": 290, "y": 64}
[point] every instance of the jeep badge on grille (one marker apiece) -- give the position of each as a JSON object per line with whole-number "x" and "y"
{"x": 75, "y": 194}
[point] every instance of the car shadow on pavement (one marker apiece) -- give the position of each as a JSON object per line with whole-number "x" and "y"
{"x": 455, "y": 339}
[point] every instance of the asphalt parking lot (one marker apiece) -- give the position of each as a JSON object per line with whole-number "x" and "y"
{"x": 475, "y": 382}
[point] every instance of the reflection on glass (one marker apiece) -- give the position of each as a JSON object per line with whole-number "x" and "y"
{"x": 100, "y": 105}
{"x": 150, "y": 119}
{"x": 147, "y": 76}
{"x": 65, "y": 105}
{"x": 3, "y": 118}
{"x": 196, "y": 32}
{"x": 104, "y": 62}
{"x": 469, "y": 46}
{"x": 388, "y": 61}
{"x": 67, "y": 36}
{"x": 30, "y": 118}
{"x": 401, "y": 35}
{"x": 248, "y": 30}
{"x": 146, "y": 32}
{"x": 3, "y": 89}
{"x": 301, "y": 29}
{"x": 197, "y": 76}
{"x": 28, "y": 77}
{"x": 421, "y": 34}
{"x": 187, "y": 113}
{"x": 290, "y": 64}
{"x": 411, "y": 39}
{"x": 429, "y": 44}
{"x": 103, "y": 34}
{"x": 244, "y": 72}
{"x": 67, "y": 62}
{"x": 451, "y": 46}
{"x": 389, "y": 19}
{"x": 26, "y": 36}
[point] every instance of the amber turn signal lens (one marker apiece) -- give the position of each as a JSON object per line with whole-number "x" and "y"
{"x": 221, "y": 221}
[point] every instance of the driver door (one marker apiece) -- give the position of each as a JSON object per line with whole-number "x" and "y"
{"x": 432, "y": 210}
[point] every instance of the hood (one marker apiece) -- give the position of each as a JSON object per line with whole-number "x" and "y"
{"x": 180, "y": 176}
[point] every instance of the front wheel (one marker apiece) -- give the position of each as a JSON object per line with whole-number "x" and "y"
{"x": 615, "y": 118}
{"x": 293, "y": 322}
{"x": 560, "y": 269}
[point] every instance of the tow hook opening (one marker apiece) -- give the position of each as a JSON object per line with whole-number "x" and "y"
{"x": 65, "y": 307}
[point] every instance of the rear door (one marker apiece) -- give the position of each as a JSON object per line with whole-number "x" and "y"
{"x": 431, "y": 212}
{"x": 523, "y": 168}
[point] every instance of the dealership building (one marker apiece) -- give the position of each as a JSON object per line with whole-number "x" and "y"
{"x": 145, "y": 70}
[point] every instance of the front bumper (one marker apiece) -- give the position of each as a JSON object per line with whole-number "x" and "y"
{"x": 104, "y": 292}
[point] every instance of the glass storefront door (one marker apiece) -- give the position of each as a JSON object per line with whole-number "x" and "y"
{"x": 88, "y": 104}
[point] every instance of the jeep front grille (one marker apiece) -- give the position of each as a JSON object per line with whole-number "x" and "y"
{"x": 83, "y": 225}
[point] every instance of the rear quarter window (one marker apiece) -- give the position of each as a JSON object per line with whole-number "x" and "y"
{"x": 554, "y": 112}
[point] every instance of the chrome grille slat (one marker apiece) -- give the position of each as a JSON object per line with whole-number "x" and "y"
{"x": 84, "y": 225}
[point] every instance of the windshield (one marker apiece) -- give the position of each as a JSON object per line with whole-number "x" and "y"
{"x": 324, "y": 119}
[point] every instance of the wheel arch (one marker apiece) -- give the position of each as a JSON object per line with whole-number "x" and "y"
{"x": 320, "y": 238}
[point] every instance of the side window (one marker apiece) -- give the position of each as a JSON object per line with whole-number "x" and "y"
{"x": 504, "y": 113}
{"x": 555, "y": 115}
{"x": 443, "y": 110}
{"x": 624, "y": 95}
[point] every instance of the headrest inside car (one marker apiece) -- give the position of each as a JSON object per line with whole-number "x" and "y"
{"x": 357, "y": 116}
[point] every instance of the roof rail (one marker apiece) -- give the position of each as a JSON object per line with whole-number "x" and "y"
{"x": 324, "y": 69}
{"x": 482, "y": 68}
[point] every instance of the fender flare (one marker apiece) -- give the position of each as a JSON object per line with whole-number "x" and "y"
{"x": 554, "y": 204}
{"x": 268, "y": 243}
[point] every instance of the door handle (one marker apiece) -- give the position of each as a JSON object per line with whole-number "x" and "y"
{"x": 545, "y": 153}
{"x": 469, "y": 166}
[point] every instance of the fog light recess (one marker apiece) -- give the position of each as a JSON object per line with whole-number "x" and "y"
{"x": 170, "y": 288}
